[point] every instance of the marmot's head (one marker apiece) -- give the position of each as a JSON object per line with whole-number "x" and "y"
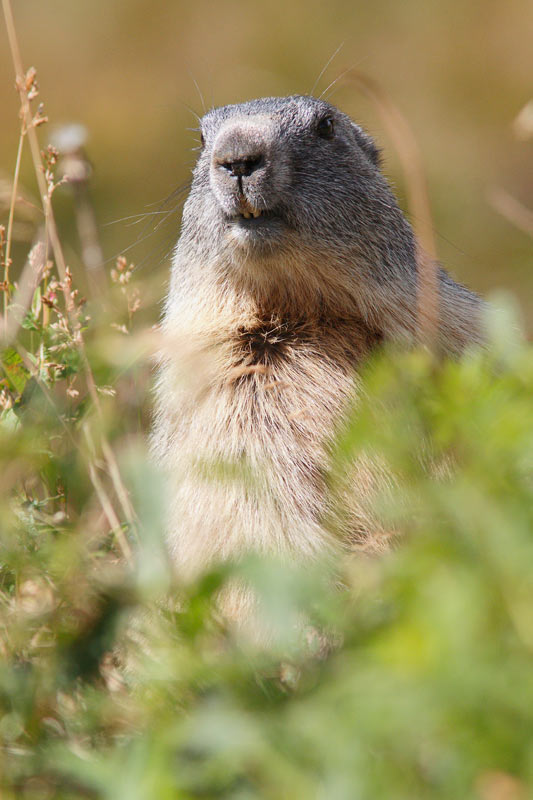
{"x": 293, "y": 181}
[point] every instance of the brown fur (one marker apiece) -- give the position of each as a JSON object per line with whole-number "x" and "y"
{"x": 262, "y": 348}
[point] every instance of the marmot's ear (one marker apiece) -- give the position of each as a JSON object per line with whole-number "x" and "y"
{"x": 367, "y": 145}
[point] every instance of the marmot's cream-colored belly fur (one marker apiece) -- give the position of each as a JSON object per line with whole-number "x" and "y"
{"x": 294, "y": 261}
{"x": 248, "y": 418}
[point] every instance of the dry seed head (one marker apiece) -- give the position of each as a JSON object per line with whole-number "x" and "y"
{"x": 50, "y": 155}
{"x": 109, "y": 391}
{"x": 30, "y": 83}
{"x": 6, "y": 401}
{"x": 39, "y": 118}
{"x": 120, "y": 328}
{"x": 72, "y": 392}
{"x": 49, "y": 299}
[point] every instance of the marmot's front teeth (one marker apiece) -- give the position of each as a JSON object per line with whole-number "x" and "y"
{"x": 254, "y": 212}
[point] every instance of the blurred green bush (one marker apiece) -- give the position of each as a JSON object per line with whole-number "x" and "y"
{"x": 116, "y": 683}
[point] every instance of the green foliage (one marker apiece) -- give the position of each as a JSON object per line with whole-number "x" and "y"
{"x": 414, "y": 679}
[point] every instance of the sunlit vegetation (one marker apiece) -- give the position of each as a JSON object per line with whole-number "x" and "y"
{"x": 408, "y": 675}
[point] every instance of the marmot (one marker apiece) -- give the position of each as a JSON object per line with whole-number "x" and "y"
{"x": 294, "y": 261}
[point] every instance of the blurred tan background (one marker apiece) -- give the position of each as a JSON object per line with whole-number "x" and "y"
{"x": 131, "y": 71}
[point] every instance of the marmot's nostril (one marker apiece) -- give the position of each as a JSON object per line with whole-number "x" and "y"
{"x": 243, "y": 167}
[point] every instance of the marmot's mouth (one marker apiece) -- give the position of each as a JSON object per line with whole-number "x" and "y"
{"x": 254, "y": 212}
{"x": 249, "y": 223}
{"x": 246, "y": 209}
{"x": 257, "y": 229}
{"x": 254, "y": 217}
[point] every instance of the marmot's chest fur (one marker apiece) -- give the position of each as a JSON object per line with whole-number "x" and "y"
{"x": 246, "y": 444}
{"x": 272, "y": 390}
{"x": 272, "y": 342}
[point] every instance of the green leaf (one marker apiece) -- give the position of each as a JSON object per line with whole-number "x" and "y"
{"x": 14, "y": 369}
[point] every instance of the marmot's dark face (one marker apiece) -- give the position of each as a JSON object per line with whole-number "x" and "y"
{"x": 276, "y": 170}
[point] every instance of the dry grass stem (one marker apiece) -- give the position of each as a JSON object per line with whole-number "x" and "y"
{"x": 27, "y": 284}
{"x": 406, "y": 146}
{"x": 9, "y": 236}
{"x": 45, "y": 189}
{"x": 105, "y": 502}
{"x": 512, "y": 210}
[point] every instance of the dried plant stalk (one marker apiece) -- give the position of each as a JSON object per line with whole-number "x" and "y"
{"x": 406, "y": 146}
{"x": 29, "y": 124}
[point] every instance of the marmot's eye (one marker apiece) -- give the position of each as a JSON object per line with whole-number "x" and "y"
{"x": 202, "y": 140}
{"x": 326, "y": 128}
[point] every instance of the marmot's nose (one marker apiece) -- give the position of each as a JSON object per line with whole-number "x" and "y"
{"x": 244, "y": 172}
{"x": 239, "y": 151}
{"x": 243, "y": 167}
